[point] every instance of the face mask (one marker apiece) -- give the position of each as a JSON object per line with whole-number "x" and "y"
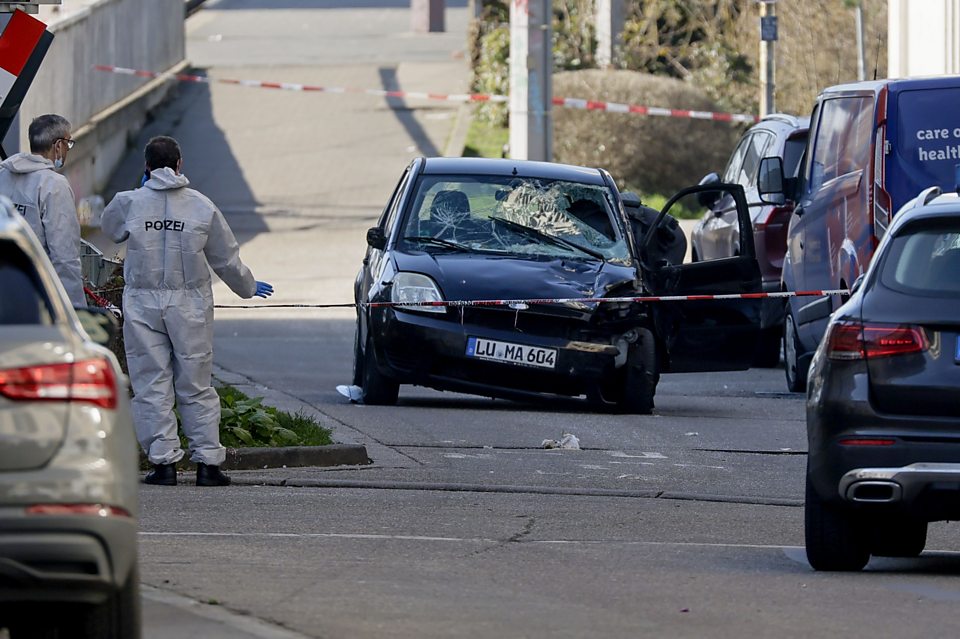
{"x": 58, "y": 163}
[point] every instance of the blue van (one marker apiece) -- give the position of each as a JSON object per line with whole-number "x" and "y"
{"x": 872, "y": 147}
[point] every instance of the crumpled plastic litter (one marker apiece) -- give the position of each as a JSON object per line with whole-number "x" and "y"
{"x": 568, "y": 442}
{"x": 353, "y": 393}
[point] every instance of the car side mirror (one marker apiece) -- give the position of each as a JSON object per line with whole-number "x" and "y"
{"x": 770, "y": 182}
{"x": 376, "y": 238}
{"x": 631, "y": 199}
{"x": 707, "y": 199}
{"x": 99, "y": 323}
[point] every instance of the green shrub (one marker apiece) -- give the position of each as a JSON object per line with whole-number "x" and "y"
{"x": 654, "y": 154}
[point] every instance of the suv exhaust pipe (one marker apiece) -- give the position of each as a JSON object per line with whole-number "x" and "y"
{"x": 874, "y": 492}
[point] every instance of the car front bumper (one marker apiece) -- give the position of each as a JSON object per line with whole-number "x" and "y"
{"x": 431, "y": 350}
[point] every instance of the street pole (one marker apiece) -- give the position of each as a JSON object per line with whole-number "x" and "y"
{"x": 768, "y": 36}
{"x": 861, "y": 54}
{"x": 609, "y": 18}
{"x": 426, "y": 16}
{"x": 531, "y": 65}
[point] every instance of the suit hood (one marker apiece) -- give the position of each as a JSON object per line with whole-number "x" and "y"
{"x": 166, "y": 179}
{"x": 26, "y": 163}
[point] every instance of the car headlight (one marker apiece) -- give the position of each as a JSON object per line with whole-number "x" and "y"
{"x": 415, "y": 287}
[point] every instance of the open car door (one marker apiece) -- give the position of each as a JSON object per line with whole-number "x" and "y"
{"x": 704, "y": 335}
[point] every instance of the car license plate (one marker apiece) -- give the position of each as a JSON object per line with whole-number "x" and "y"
{"x": 507, "y": 352}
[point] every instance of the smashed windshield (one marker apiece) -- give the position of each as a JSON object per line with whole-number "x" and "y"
{"x": 513, "y": 215}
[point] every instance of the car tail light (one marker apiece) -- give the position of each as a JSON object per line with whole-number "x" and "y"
{"x": 90, "y": 381}
{"x": 776, "y": 215}
{"x": 867, "y": 441}
{"x": 94, "y": 510}
{"x": 852, "y": 340}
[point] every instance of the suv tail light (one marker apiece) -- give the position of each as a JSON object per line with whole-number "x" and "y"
{"x": 91, "y": 510}
{"x": 90, "y": 381}
{"x": 852, "y": 340}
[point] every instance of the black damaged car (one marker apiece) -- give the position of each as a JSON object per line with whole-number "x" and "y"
{"x": 468, "y": 229}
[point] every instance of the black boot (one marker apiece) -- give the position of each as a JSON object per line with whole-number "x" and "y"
{"x": 162, "y": 475}
{"x": 211, "y": 476}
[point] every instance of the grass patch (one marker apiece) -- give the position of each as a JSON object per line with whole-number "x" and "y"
{"x": 485, "y": 140}
{"x": 245, "y": 421}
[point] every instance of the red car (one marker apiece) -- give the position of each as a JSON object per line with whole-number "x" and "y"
{"x": 716, "y": 235}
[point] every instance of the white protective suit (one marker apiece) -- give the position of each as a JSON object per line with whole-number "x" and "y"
{"x": 45, "y": 199}
{"x": 172, "y": 234}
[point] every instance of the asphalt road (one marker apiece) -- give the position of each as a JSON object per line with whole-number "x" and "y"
{"x": 685, "y": 523}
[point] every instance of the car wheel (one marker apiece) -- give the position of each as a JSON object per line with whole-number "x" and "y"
{"x": 899, "y": 538}
{"x": 836, "y": 538}
{"x": 357, "y": 357}
{"x": 768, "y": 348}
{"x": 376, "y": 388}
{"x": 641, "y": 377}
{"x": 796, "y": 377}
{"x": 116, "y": 618}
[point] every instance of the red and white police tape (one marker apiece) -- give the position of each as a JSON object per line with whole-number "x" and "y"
{"x": 522, "y": 304}
{"x": 570, "y": 103}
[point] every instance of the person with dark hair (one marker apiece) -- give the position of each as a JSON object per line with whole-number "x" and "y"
{"x": 45, "y": 198}
{"x": 174, "y": 237}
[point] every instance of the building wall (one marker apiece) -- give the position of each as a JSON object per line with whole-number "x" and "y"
{"x": 924, "y": 37}
{"x": 105, "y": 110}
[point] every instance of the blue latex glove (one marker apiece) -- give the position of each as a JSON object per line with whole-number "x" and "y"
{"x": 263, "y": 290}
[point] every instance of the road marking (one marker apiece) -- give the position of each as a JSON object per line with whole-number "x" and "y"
{"x": 620, "y": 453}
{"x": 791, "y": 551}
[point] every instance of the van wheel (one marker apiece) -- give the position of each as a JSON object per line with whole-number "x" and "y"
{"x": 796, "y": 377}
{"x": 899, "y": 538}
{"x": 836, "y": 539}
{"x": 376, "y": 388}
{"x": 641, "y": 377}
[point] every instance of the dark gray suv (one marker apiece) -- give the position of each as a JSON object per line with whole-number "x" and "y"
{"x": 68, "y": 460}
{"x": 883, "y": 400}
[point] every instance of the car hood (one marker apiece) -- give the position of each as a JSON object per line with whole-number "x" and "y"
{"x": 493, "y": 277}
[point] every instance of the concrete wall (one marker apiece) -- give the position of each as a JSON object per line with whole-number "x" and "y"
{"x": 924, "y": 37}
{"x": 105, "y": 109}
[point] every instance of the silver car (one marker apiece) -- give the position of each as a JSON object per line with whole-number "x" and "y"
{"x": 68, "y": 460}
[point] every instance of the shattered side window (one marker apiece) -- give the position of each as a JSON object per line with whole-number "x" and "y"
{"x": 515, "y": 215}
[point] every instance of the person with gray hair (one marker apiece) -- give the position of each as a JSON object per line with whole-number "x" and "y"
{"x": 45, "y": 198}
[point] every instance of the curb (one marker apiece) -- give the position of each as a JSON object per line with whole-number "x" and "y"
{"x": 291, "y": 457}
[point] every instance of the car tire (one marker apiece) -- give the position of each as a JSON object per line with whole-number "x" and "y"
{"x": 376, "y": 388}
{"x": 769, "y": 343}
{"x": 116, "y": 618}
{"x": 641, "y": 377}
{"x": 357, "y": 357}
{"x": 899, "y": 538}
{"x": 836, "y": 539}
{"x": 796, "y": 376}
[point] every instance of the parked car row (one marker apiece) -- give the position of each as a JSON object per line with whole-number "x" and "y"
{"x": 883, "y": 368}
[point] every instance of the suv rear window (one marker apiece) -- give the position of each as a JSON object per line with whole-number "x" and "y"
{"x": 24, "y": 300}
{"x": 924, "y": 259}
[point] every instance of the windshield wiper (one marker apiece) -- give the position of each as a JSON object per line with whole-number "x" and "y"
{"x": 552, "y": 239}
{"x": 436, "y": 241}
